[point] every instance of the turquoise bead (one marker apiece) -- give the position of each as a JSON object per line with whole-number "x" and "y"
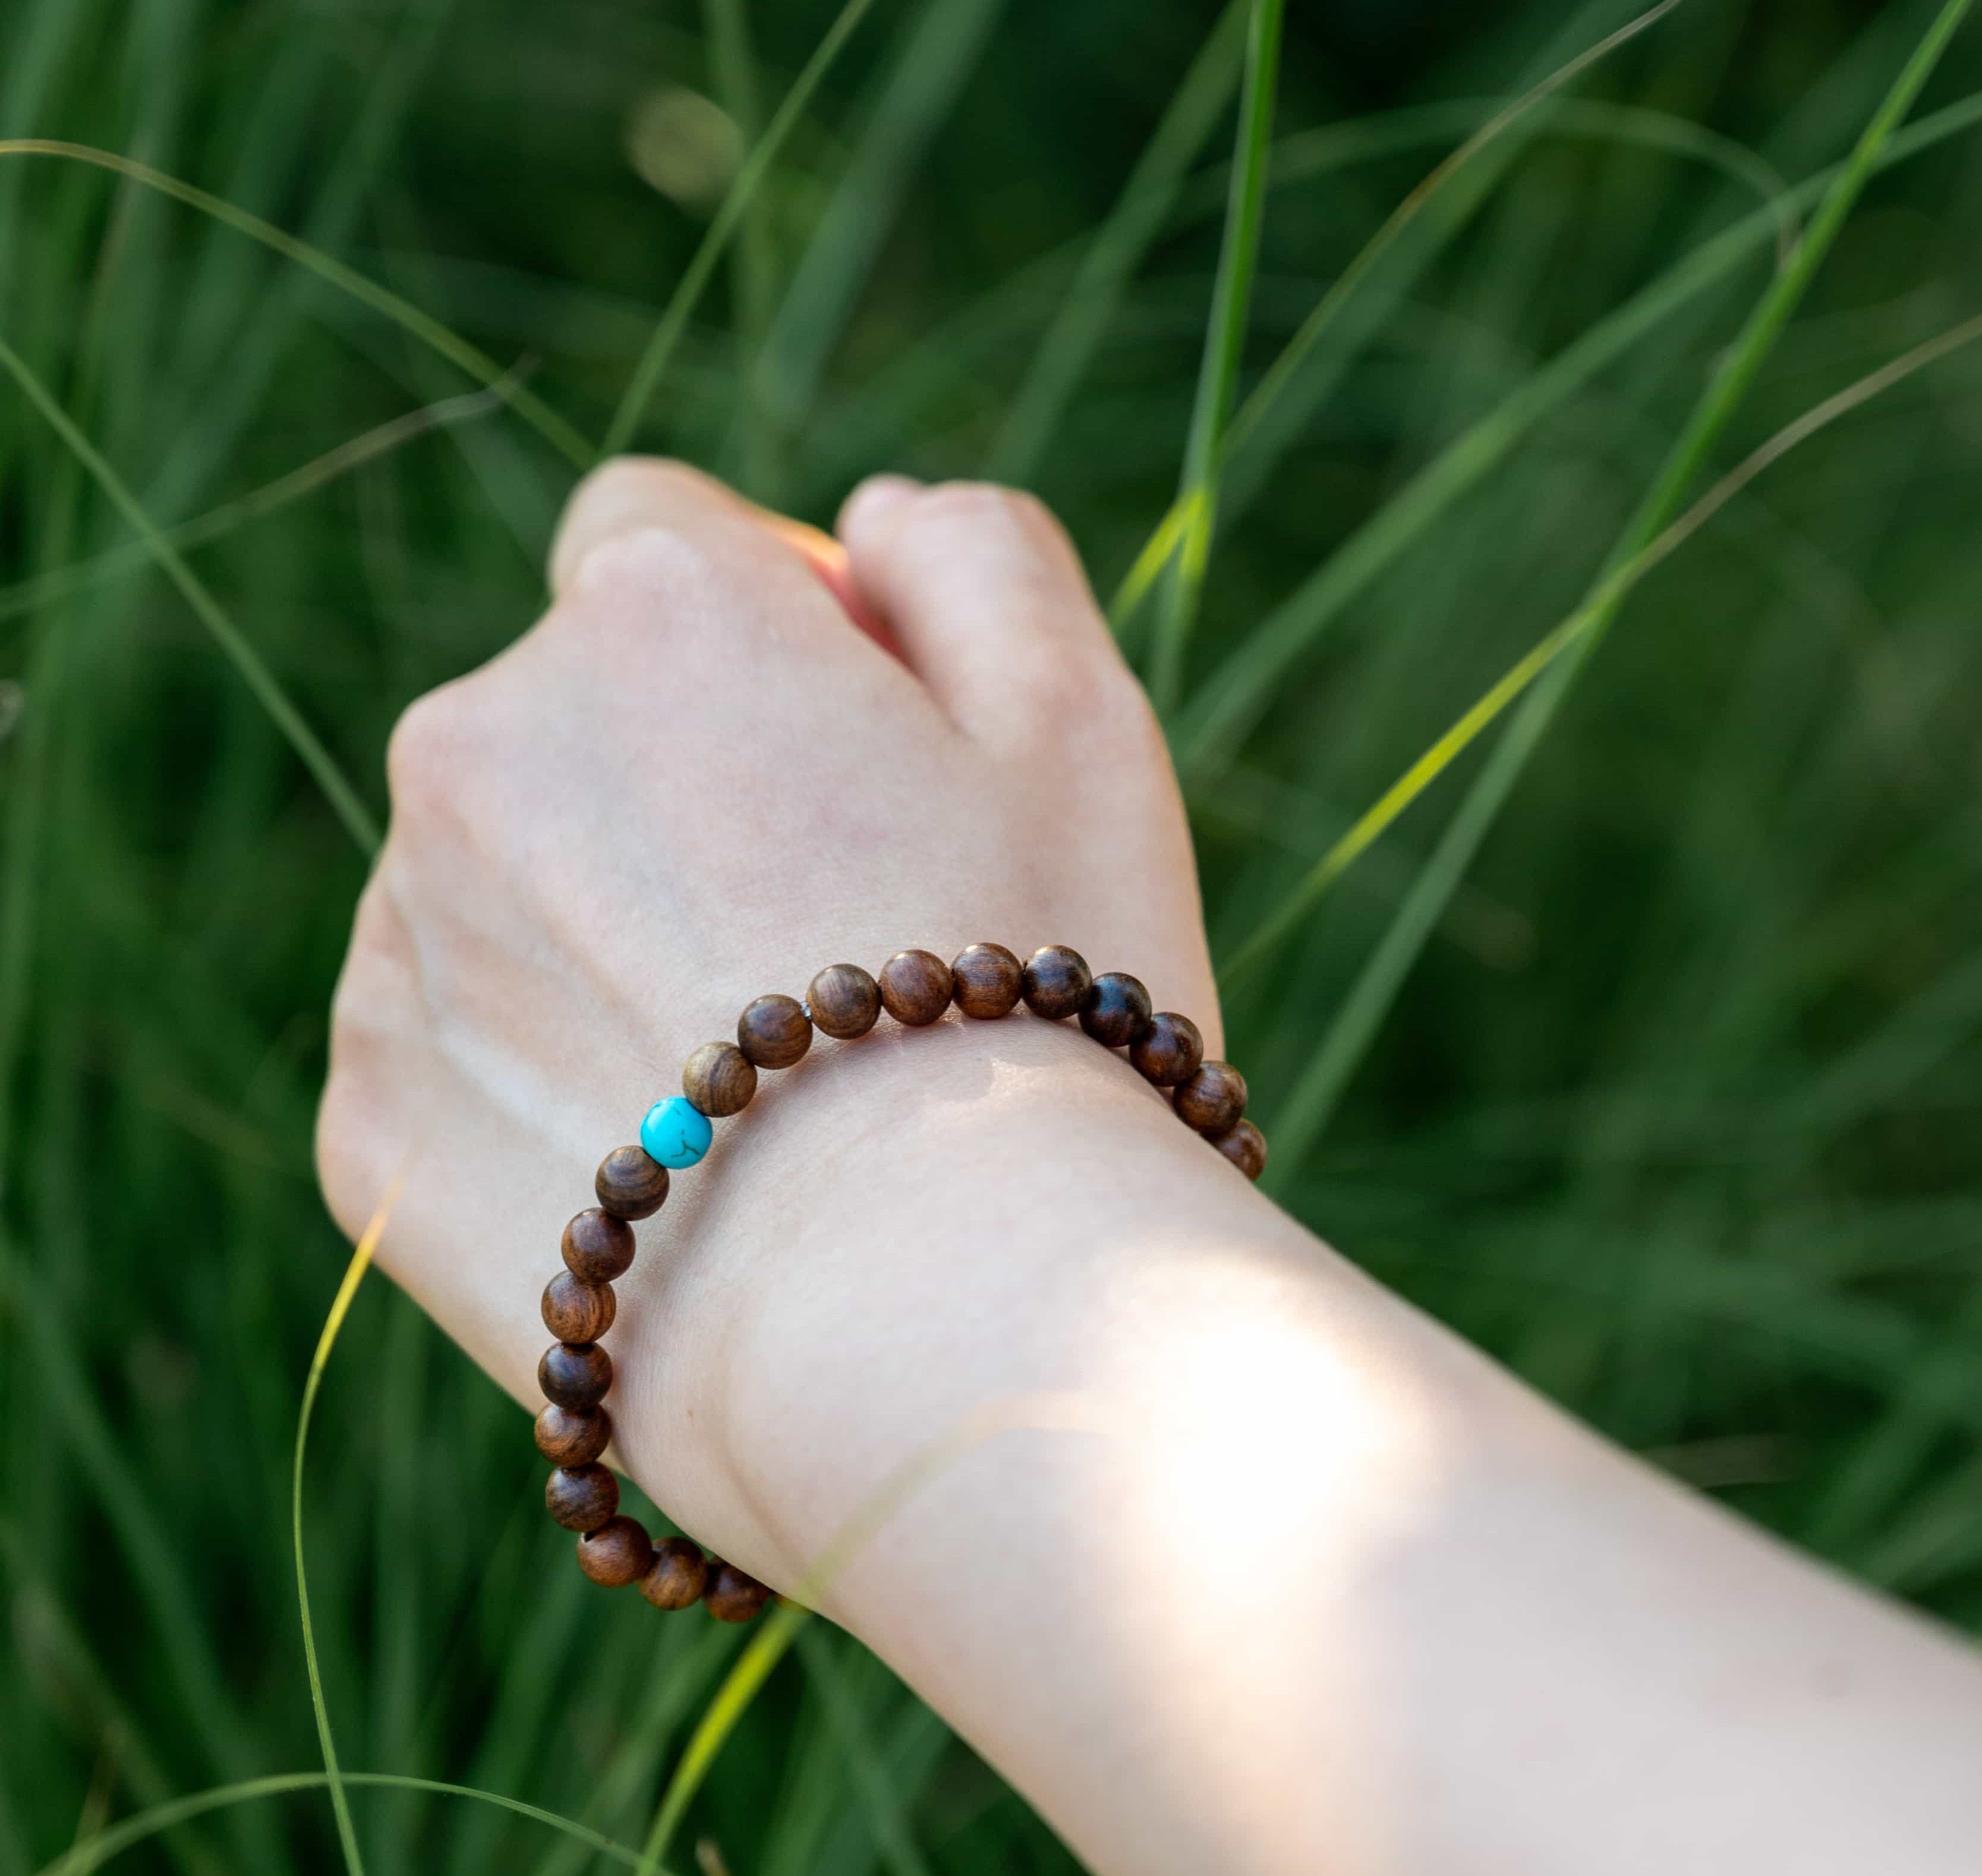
{"x": 676, "y": 1132}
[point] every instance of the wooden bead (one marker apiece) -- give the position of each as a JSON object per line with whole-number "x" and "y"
{"x": 732, "y": 1596}
{"x": 719, "y": 1079}
{"x": 582, "y": 1498}
{"x": 629, "y": 1184}
{"x": 678, "y": 1575}
{"x": 1116, "y": 1012}
{"x": 1213, "y": 1100}
{"x": 577, "y": 1312}
{"x": 915, "y": 987}
{"x": 575, "y": 1375}
{"x": 1169, "y": 1051}
{"x": 1245, "y": 1147}
{"x": 844, "y": 1000}
{"x": 986, "y": 981}
{"x": 619, "y": 1552}
{"x": 573, "y": 1435}
{"x": 1056, "y": 982}
{"x": 774, "y": 1032}
{"x": 598, "y": 1247}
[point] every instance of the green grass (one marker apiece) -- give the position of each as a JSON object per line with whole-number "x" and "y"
{"x": 1663, "y": 1075}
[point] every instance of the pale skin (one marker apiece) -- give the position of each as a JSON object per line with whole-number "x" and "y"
{"x": 1241, "y": 1565}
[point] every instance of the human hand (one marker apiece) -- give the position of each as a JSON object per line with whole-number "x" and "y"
{"x": 1265, "y": 1622}
{"x": 698, "y": 779}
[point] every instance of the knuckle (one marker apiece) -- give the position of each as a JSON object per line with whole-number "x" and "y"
{"x": 431, "y": 745}
{"x": 1068, "y": 686}
{"x": 654, "y": 559}
{"x": 982, "y": 505}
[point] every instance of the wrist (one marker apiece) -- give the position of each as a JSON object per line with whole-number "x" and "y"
{"x": 893, "y": 1234}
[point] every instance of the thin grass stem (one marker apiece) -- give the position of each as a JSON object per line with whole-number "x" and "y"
{"x": 1609, "y": 594}
{"x": 321, "y": 764}
{"x": 340, "y": 1307}
{"x": 423, "y": 326}
{"x": 133, "y": 1830}
{"x": 1042, "y": 1412}
{"x": 939, "y": 44}
{"x": 733, "y": 77}
{"x": 216, "y": 524}
{"x": 1224, "y": 351}
{"x": 1229, "y": 701}
{"x": 1117, "y": 246}
{"x": 639, "y": 392}
{"x": 1316, "y": 1094}
{"x": 1149, "y": 564}
{"x": 752, "y": 1669}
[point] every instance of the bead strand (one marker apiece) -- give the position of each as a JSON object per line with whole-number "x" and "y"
{"x": 916, "y": 988}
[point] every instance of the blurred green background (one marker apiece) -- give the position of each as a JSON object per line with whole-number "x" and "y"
{"x": 1675, "y": 1111}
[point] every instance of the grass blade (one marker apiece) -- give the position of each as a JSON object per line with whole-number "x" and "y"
{"x": 1177, "y": 526}
{"x": 1230, "y": 700}
{"x": 877, "y": 421}
{"x": 632, "y": 409}
{"x": 337, "y": 789}
{"x": 87, "y": 1682}
{"x": 864, "y": 1763}
{"x": 1273, "y": 385}
{"x": 1224, "y": 349}
{"x": 121, "y": 1837}
{"x": 732, "y": 66}
{"x": 1609, "y": 594}
{"x": 478, "y": 364}
{"x": 340, "y": 1307}
{"x": 1315, "y": 1094}
{"x": 938, "y": 55}
{"x": 752, "y": 1669}
{"x": 1145, "y": 206}
{"x": 216, "y": 524}
{"x": 62, "y": 1378}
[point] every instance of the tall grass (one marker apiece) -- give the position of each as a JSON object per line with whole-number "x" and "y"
{"x": 1669, "y": 1094}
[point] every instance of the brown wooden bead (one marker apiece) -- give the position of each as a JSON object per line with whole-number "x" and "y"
{"x": 844, "y": 1000}
{"x": 619, "y": 1552}
{"x": 1056, "y": 982}
{"x": 577, "y": 1312}
{"x": 1245, "y": 1147}
{"x": 598, "y": 1247}
{"x": 1213, "y": 1100}
{"x": 987, "y": 979}
{"x": 774, "y": 1032}
{"x": 573, "y": 1435}
{"x": 719, "y": 1079}
{"x": 575, "y": 1374}
{"x": 678, "y": 1575}
{"x": 629, "y": 1184}
{"x": 582, "y": 1498}
{"x": 1116, "y": 1012}
{"x": 915, "y": 987}
{"x": 732, "y": 1596}
{"x": 1169, "y": 1051}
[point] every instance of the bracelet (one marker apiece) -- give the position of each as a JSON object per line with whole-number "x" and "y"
{"x": 915, "y": 987}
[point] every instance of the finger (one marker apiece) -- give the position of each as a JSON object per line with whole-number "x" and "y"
{"x": 983, "y": 588}
{"x": 628, "y": 496}
{"x": 829, "y": 559}
{"x": 632, "y": 494}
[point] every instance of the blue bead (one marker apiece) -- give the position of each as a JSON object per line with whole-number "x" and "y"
{"x": 676, "y": 1132}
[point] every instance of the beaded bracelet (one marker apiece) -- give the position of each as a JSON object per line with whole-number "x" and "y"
{"x": 915, "y": 987}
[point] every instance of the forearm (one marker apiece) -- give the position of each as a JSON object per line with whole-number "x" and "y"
{"x": 1264, "y": 1570}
